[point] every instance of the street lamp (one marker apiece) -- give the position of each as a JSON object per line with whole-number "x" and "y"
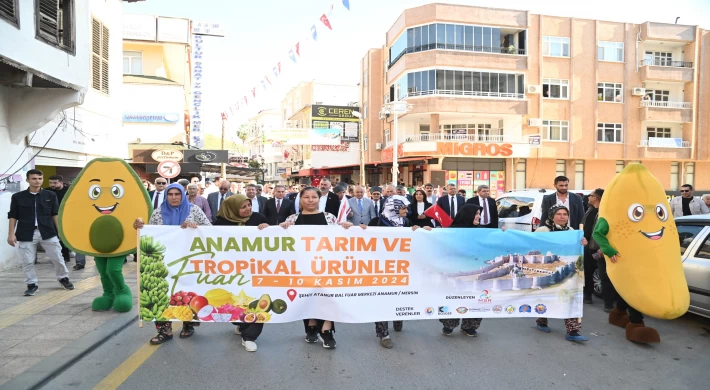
{"x": 357, "y": 115}
{"x": 396, "y": 107}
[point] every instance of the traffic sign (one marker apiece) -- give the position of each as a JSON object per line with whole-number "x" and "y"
{"x": 169, "y": 169}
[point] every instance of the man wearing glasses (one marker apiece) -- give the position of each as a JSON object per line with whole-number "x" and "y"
{"x": 158, "y": 196}
{"x": 687, "y": 204}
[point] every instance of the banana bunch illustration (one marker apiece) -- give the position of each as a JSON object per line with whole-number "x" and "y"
{"x": 154, "y": 297}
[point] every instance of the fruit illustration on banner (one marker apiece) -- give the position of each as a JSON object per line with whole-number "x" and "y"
{"x": 278, "y": 306}
{"x": 219, "y": 296}
{"x": 153, "y": 296}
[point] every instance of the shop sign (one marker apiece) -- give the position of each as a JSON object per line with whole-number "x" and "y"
{"x": 166, "y": 155}
{"x": 337, "y": 117}
{"x": 206, "y": 156}
{"x": 151, "y": 117}
{"x": 535, "y": 141}
{"x": 207, "y": 28}
{"x": 139, "y": 27}
{"x": 474, "y": 149}
{"x": 173, "y": 30}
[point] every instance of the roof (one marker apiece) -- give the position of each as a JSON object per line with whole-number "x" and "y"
{"x": 705, "y": 218}
{"x": 140, "y": 79}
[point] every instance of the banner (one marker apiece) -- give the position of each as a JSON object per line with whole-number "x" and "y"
{"x": 229, "y": 274}
{"x": 299, "y": 136}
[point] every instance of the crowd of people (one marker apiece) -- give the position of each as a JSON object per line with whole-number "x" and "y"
{"x": 191, "y": 204}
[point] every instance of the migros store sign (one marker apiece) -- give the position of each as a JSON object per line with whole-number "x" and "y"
{"x": 474, "y": 149}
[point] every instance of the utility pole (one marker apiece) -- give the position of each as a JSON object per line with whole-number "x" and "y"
{"x": 224, "y": 130}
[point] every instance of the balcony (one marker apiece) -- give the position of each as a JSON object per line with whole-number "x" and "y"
{"x": 651, "y": 31}
{"x": 666, "y": 70}
{"x": 443, "y": 101}
{"x": 660, "y": 111}
{"x": 483, "y": 57}
{"x": 484, "y": 138}
{"x": 673, "y": 148}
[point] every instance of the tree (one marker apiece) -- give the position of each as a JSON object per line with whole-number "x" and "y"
{"x": 214, "y": 142}
{"x": 258, "y": 163}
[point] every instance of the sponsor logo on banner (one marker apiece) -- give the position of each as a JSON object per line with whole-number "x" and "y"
{"x": 497, "y": 309}
{"x": 540, "y": 308}
{"x": 444, "y": 311}
{"x": 485, "y": 297}
{"x": 478, "y": 309}
{"x": 525, "y": 309}
{"x": 461, "y": 310}
{"x": 429, "y": 311}
{"x": 510, "y": 309}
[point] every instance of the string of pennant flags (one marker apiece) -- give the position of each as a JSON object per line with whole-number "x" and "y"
{"x": 294, "y": 54}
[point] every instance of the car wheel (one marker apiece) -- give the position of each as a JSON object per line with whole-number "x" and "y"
{"x": 597, "y": 284}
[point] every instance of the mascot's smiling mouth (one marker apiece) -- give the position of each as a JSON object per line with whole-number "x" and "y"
{"x": 105, "y": 210}
{"x": 654, "y": 235}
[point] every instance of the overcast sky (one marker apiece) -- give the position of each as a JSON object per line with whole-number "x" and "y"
{"x": 260, "y": 33}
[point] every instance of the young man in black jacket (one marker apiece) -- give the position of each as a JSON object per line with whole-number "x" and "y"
{"x": 56, "y": 185}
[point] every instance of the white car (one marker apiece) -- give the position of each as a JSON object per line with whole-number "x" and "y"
{"x": 520, "y": 209}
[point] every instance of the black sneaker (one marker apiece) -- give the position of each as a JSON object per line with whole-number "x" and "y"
{"x": 328, "y": 340}
{"x": 31, "y": 290}
{"x": 447, "y": 331}
{"x": 588, "y": 299}
{"x": 312, "y": 335}
{"x": 78, "y": 267}
{"x": 398, "y": 326}
{"x": 66, "y": 283}
{"x": 470, "y": 332}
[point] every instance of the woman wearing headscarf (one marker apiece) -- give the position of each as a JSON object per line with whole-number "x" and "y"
{"x": 394, "y": 214}
{"x": 558, "y": 221}
{"x": 309, "y": 214}
{"x": 417, "y": 208}
{"x": 175, "y": 211}
{"x": 468, "y": 217}
{"x": 236, "y": 211}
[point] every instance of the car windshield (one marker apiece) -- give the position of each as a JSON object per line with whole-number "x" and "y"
{"x": 686, "y": 234}
{"x": 514, "y": 206}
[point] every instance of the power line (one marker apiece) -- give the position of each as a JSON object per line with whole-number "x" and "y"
{"x": 39, "y": 151}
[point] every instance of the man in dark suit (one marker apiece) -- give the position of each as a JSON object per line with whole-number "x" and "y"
{"x": 572, "y": 201}
{"x": 402, "y": 191}
{"x": 157, "y": 196}
{"x": 216, "y": 199}
{"x": 451, "y": 199}
{"x": 258, "y": 202}
{"x": 377, "y": 200}
{"x": 329, "y": 202}
{"x": 278, "y": 208}
{"x": 489, "y": 212}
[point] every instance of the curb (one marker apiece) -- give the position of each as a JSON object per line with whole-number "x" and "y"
{"x": 44, "y": 371}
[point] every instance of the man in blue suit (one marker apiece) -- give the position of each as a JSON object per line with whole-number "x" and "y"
{"x": 451, "y": 200}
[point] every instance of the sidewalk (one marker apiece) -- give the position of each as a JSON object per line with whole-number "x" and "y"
{"x": 33, "y": 328}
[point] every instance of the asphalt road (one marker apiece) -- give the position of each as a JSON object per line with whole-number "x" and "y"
{"x": 507, "y": 354}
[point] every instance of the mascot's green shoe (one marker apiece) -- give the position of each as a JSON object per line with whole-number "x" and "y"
{"x": 103, "y": 303}
{"x": 122, "y": 301}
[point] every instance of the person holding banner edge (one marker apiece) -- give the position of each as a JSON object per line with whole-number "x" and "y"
{"x": 236, "y": 211}
{"x": 468, "y": 217}
{"x": 558, "y": 221}
{"x": 175, "y": 211}
{"x": 394, "y": 214}
{"x": 310, "y": 215}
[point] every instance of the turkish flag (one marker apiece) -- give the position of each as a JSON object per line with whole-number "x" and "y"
{"x": 438, "y": 214}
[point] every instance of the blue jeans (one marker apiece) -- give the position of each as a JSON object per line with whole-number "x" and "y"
{"x": 80, "y": 259}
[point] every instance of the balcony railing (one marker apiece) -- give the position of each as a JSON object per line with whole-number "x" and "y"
{"x": 451, "y": 46}
{"x": 662, "y": 104}
{"x": 664, "y": 62}
{"x": 664, "y": 143}
{"x": 503, "y": 95}
{"x": 457, "y": 137}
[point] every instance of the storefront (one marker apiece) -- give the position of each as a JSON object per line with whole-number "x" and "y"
{"x": 469, "y": 173}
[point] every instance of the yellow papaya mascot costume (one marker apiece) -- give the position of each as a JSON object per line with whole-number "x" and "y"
{"x": 637, "y": 234}
{"x": 96, "y": 219}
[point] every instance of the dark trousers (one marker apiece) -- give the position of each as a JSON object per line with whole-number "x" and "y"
{"x": 635, "y": 316}
{"x": 250, "y": 332}
{"x": 589, "y": 266}
{"x": 319, "y": 325}
{"x": 382, "y": 328}
{"x": 608, "y": 290}
{"x": 65, "y": 252}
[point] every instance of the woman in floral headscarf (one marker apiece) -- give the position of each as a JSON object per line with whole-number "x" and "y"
{"x": 394, "y": 214}
{"x": 558, "y": 221}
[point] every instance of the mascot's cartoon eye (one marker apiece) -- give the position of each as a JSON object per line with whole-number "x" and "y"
{"x": 94, "y": 191}
{"x": 661, "y": 212}
{"x": 117, "y": 191}
{"x": 636, "y": 212}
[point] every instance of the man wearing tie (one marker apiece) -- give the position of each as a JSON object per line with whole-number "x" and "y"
{"x": 278, "y": 208}
{"x": 216, "y": 199}
{"x": 158, "y": 196}
{"x": 378, "y": 202}
{"x": 452, "y": 202}
{"x": 363, "y": 208}
{"x": 489, "y": 210}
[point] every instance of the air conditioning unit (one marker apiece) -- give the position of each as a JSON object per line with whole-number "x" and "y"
{"x": 378, "y": 146}
{"x": 535, "y": 122}
{"x": 638, "y": 91}
{"x": 534, "y": 89}
{"x": 383, "y": 115}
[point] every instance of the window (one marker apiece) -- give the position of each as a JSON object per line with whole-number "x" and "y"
{"x": 674, "y": 176}
{"x": 609, "y": 132}
{"x": 387, "y": 135}
{"x": 424, "y": 132}
{"x": 10, "y": 11}
{"x": 658, "y": 95}
{"x": 54, "y": 21}
{"x": 658, "y": 58}
{"x": 520, "y": 173}
{"x": 514, "y": 206}
{"x": 99, "y": 56}
{"x": 133, "y": 62}
{"x": 704, "y": 250}
{"x": 619, "y": 166}
{"x": 555, "y": 130}
{"x": 611, "y": 51}
{"x": 686, "y": 234}
{"x": 555, "y": 89}
{"x": 579, "y": 175}
{"x": 555, "y": 46}
{"x": 610, "y": 92}
{"x": 560, "y": 169}
{"x": 690, "y": 173}
{"x": 658, "y": 132}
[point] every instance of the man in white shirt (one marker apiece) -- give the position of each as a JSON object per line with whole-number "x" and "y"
{"x": 158, "y": 196}
{"x": 258, "y": 202}
{"x": 431, "y": 197}
{"x": 329, "y": 202}
{"x": 214, "y": 187}
{"x": 452, "y": 202}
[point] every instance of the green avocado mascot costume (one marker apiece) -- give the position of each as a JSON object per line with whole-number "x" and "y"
{"x": 96, "y": 219}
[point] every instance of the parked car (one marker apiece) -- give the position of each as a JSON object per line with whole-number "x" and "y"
{"x": 694, "y": 235}
{"x": 520, "y": 209}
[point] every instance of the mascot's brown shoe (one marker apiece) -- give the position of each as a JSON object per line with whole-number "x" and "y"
{"x": 641, "y": 334}
{"x": 618, "y": 318}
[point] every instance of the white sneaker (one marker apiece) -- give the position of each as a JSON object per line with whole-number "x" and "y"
{"x": 250, "y": 346}
{"x": 237, "y": 331}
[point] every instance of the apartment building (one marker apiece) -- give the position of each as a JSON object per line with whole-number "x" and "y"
{"x": 512, "y": 99}
{"x": 263, "y": 149}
